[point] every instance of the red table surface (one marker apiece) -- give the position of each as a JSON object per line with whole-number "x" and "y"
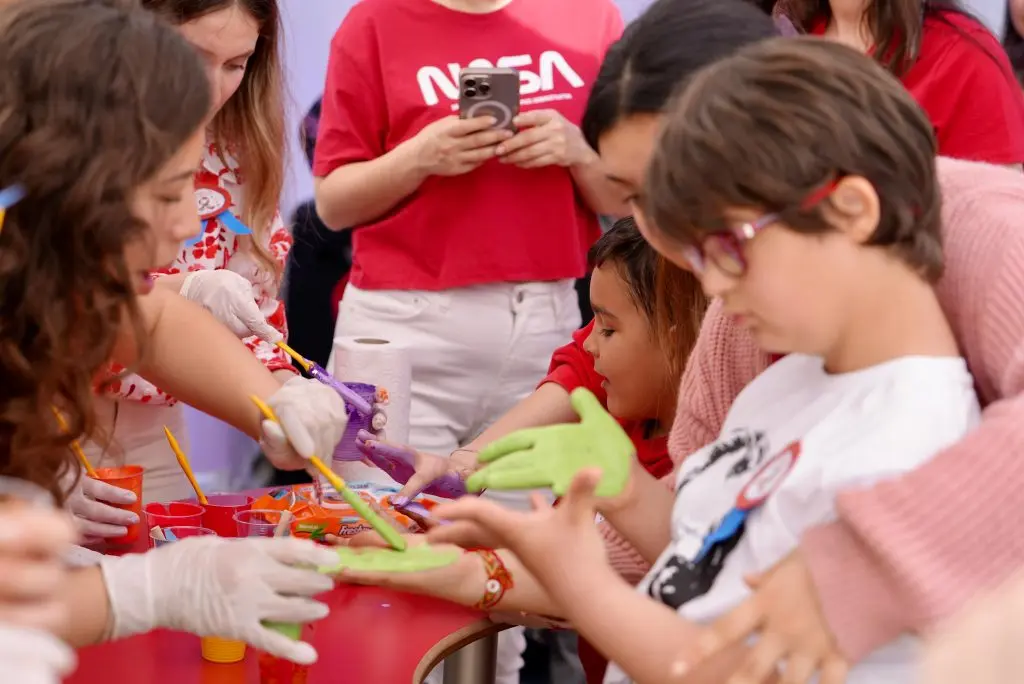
{"x": 372, "y": 636}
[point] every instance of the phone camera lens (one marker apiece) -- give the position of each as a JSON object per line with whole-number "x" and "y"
{"x": 470, "y": 92}
{"x": 470, "y": 82}
{"x": 484, "y": 88}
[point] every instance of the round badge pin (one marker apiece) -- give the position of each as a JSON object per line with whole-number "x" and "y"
{"x": 766, "y": 480}
{"x": 211, "y": 202}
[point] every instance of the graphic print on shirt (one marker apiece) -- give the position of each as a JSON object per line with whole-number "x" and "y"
{"x": 705, "y": 532}
{"x": 553, "y": 80}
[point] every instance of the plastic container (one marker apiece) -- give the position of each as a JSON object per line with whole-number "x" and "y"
{"x": 175, "y": 514}
{"x": 257, "y": 523}
{"x": 222, "y": 651}
{"x": 274, "y": 670}
{"x": 177, "y": 533}
{"x": 126, "y": 477}
{"x": 220, "y": 510}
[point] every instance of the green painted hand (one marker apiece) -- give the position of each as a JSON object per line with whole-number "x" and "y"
{"x": 413, "y": 559}
{"x": 551, "y": 456}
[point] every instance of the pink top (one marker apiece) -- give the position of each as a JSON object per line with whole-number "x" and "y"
{"x": 909, "y": 551}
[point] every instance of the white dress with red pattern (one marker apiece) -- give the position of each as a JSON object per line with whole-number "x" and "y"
{"x": 221, "y": 248}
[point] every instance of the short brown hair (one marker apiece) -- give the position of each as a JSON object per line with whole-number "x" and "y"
{"x": 769, "y": 126}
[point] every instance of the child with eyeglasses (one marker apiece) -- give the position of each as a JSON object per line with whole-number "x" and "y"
{"x": 797, "y": 179}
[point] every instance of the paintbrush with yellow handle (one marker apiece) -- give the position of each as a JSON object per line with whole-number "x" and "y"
{"x": 76, "y": 448}
{"x": 185, "y": 467}
{"x": 379, "y": 524}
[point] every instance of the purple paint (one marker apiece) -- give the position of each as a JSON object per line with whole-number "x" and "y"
{"x": 400, "y": 464}
{"x": 355, "y": 398}
{"x": 348, "y": 448}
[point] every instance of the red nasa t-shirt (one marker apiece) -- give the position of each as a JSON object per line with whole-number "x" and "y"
{"x": 394, "y": 69}
{"x": 963, "y": 81}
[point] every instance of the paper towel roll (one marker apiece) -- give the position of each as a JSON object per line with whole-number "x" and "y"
{"x": 386, "y": 364}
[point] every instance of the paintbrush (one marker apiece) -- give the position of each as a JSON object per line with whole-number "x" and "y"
{"x": 317, "y": 372}
{"x": 76, "y": 448}
{"x": 185, "y": 467}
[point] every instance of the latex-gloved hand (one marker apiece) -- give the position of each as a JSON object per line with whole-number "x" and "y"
{"x": 32, "y": 656}
{"x": 229, "y": 297}
{"x": 88, "y": 502}
{"x": 418, "y": 471}
{"x": 222, "y": 587}
{"x": 311, "y": 420}
{"x": 552, "y": 456}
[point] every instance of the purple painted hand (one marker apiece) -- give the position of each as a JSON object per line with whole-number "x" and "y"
{"x": 420, "y": 472}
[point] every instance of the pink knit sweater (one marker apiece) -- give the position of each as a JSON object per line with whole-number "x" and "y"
{"x": 909, "y": 551}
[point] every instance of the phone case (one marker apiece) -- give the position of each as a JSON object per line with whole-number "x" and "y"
{"x": 489, "y": 92}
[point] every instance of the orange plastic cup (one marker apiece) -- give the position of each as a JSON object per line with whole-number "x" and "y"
{"x": 126, "y": 477}
{"x": 222, "y": 651}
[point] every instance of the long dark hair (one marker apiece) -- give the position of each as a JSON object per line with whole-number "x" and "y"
{"x": 1014, "y": 44}
{"x": 661, "y": 48}
{"x": 897, "y": 26}
{"x": 97, "y": 96}
{"x": 252, "y": 122}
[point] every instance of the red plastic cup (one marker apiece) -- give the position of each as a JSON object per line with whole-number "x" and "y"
{"x": 219, "y": 512}
{"x": 274, "y": 670}
{"x": 177, "y": 533}
{"x": 174, "y": 514}
{"x": 257, "y": 523}
{"x": 126, "y": 477}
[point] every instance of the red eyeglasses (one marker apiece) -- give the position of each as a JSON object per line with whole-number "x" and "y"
{"x": 725, "y": 249}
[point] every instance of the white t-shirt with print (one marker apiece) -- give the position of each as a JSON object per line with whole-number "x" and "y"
{"x": 845, "y": 431}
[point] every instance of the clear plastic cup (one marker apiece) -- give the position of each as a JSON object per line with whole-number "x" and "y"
{"x": 257, "y": 523}
{"x": 177, "y": 533}
{"x": 174, "y": 514}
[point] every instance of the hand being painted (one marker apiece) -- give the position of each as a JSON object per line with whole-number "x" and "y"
{"x": 552, "y": 456}
{"x": 553, "y": 542}
{"x": 785, "y": 614}
{"x": 419, "y": 471}
{"x": 413, "y": 559}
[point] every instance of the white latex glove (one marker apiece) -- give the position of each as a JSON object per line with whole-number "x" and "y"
{"x": 31, "y": 656}
{"x": 228, "y": 296}
{"x": 312, "y": 419}
{"x": 95, "y": 519}
{"x": 221, "y": 587}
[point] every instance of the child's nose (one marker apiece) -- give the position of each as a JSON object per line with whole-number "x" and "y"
{"x": 590, "y": 344}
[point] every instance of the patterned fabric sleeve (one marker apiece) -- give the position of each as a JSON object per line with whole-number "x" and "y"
{"x": 272, "y": 307}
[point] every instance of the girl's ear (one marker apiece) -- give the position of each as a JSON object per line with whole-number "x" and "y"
{"x": 856, "y": 208}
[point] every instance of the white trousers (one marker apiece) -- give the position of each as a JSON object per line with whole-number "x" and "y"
{"x": 477, "y": 351}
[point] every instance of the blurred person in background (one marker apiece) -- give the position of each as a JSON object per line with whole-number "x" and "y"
{"x": 951, "y": 63}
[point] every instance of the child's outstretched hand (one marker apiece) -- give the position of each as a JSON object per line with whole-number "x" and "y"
{"x": 413, "y": 559}
{"x": 552, "y": 456}
{"x": 553, "y": 542}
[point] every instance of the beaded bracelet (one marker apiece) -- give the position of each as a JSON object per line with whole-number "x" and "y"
{"x": 499, "y": 579}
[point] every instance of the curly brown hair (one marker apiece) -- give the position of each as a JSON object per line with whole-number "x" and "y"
{"x": 97, "y": 96}
{"x": 252, "y": 123}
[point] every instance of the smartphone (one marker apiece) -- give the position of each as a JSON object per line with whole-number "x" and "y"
{"x": 489, "y": 91}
